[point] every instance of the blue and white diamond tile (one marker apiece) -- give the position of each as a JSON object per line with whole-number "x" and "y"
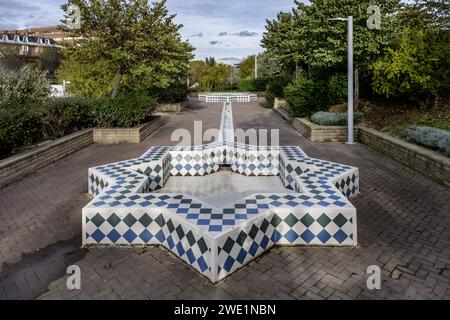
{"x": 217, "y": 241}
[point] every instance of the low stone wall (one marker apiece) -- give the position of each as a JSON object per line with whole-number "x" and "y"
{"x": 428, "y": 162}
{"x": 280, "y": 104}
{"x": 21, "y": 165}
{"x": 126, "y": 135}
{"x": 317, "y": 133}
{"x": 172, "y": 107}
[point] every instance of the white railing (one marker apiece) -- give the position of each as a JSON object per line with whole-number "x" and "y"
{"x": 227, "y": 97}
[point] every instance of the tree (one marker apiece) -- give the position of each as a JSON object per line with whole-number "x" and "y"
{"x": 216, "y": 77}
{"x": 139, "y": 42}
{"x": 279, "y": 42}
{"x": 88, "y": 79}
{"x": 210, "y": 61}
{"x": 247, "y": 68}
{"x": 50, "y": 60}
{"x": 418, "y": 63}
{"x": 307, "y": 38}
{"x": 10, "y": 58}
{"x": 267, "y": 66}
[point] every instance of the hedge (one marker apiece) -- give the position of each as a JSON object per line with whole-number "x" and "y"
{"x": 24, "y": 125}
{"x": 18, "y": 127}
{"x": 122, "y": 111}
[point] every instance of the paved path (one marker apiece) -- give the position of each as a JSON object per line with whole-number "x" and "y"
{"x": 403, "y": 227}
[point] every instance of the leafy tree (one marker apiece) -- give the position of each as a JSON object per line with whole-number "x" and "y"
{"x": 10, "y": 59}
{"x": 210, "y": 61}
{"x": 417, "y": 66}
{"x": 211, "y": 77}
{"x": 247, "y": 68}
{"x": 306, "y": 37}
{"x": 87, "y": 78}
{"x": 141, "y": 43}
{"x": 217, "y": 77}
{"x": 50, "y": 60}
{"x": 279, "y": 42}
{"x": 268, "y": 66}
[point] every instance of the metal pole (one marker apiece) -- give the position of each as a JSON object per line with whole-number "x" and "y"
{"x": 350, "y": 80}
{"x": 256, "y": 66}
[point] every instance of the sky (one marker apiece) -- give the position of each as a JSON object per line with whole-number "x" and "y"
{"x": 228, "y": 30}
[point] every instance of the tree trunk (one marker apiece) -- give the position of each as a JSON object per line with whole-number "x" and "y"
{"x": 356, "y": 98}
{"x": 117, "y": 84}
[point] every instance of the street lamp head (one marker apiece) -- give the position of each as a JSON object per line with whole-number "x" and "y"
{"x": 338, "y": 19}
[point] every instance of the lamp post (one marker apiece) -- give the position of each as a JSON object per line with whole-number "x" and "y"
{"x": 256, "y": 66}
{"x": 350, "y": 121}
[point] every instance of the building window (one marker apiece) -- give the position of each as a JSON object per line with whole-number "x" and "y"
{"x": 24, "y": 49}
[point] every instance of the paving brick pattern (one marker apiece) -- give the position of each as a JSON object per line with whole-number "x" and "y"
{"x": 403, "y": 227}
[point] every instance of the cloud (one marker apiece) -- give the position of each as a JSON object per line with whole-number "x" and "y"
{"x": 245, "y": 33}
{"x": 221, "y": 21}
{"x": 17, "y": 6}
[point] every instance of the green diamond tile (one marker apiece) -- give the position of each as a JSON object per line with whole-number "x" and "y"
{"x": 130, "y": 220}
{"x": 324, "y": 220}
{"x": 228, "y": 246}
{"x": 276, "y": 220}
{"x": 190, "y": 237}
{"x": 291, "y": 220}
{"x": 145, "y": 220}
{"x": 202, "y": 245}
{"x": 180, "y": 232}
{"x": 307, "y": 220}
{"x": 113, "y": 220}
{"x": 340, "y": 220}
{"x": 160, "y": 221}
{"x": 241, "y": 238}
{"x": 98, "y": 220}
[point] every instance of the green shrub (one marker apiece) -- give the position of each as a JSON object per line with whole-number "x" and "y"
{"x": 123, "y": 111}
{"x": 172, "y": 94}
{"x": 333, "y": 118}
{"x": 23, "y": 86}
{"x": 253, "y": 85}
{"x": 60, "y": 116}
{"x": 18, "y": 127}
{"x": 337, "y": 89}
{"x": 305, "y": 95}
{"x": 275, "y": 88}
{"x": 430, "y": 137}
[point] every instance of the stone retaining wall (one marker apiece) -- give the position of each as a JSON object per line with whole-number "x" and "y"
{"x": 126, "y": 135}
{"x": 21, "y": 165}
{"x": 171, "y": 107}
{"x": 317, "y": 133}
{"x": 428, "y": 162}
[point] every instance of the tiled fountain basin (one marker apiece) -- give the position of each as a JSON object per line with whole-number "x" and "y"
{"x": 131, "y": 209}
{"x": 145, "y": 201}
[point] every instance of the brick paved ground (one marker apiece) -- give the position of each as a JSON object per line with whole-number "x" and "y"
{"x": 403, "y": 227}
